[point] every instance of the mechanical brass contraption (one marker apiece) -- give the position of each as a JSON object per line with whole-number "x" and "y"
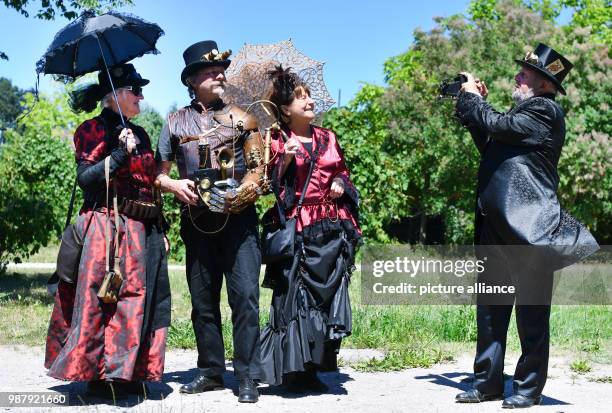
{"x": 206, "y": 177}
{"x": 214, "y": 177}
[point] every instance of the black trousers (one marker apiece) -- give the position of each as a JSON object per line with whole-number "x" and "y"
{"x": 531, "y": 302}
{"x": 533, "y": 327}
{"x": 235, "y": 252}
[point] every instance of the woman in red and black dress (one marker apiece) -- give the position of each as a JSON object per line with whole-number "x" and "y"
{"x": 310, "y": 312}
{"x": 113, "y": 347}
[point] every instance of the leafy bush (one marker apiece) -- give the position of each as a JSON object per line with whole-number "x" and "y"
{"x": 37, "y": 171}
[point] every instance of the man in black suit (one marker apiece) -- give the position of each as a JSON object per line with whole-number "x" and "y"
{"x": 517, "y": 208}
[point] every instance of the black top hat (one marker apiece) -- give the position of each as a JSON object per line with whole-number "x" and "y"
{"x": 203, "y": 54}
{"x": 549, "y": 63}
{"x": 122, "y": 75}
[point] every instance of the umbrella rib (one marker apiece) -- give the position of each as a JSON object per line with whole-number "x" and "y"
{"x": 110, "y": 49}
{"x": 74, "y": 58}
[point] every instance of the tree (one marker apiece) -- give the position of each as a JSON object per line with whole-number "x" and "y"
{"x": 49, "y": 9}
{"x": 361, "y": 130}
{"x": 151, "y": 121}
{"x": 10, "y": 107}
{"x": 37, "y": 172}
{"x": 594, "y": 14}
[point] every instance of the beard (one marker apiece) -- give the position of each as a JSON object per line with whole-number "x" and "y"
{"x": 519, "y": 95}
{"x": 219, "y": 90}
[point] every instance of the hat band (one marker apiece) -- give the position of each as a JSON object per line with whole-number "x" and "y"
{"x": 214, "y": 55}
{"x": 555, "y": 67}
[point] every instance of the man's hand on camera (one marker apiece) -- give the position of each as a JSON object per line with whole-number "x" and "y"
{"x": 184, "y": 191}
{"x": 471, "y": 86}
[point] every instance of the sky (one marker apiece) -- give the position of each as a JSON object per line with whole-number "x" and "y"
{"x": 354, "y": 38}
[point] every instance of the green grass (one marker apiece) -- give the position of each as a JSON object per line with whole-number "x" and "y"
{"x": 25, "y": 308}
{"x": 46, "y": 254}
{"x": 580, "y": 367}
{"x": 601, "y": 379}
{"x": 411, "y": 336}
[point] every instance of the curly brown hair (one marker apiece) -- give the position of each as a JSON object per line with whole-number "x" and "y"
{"x": 286, "y": 86}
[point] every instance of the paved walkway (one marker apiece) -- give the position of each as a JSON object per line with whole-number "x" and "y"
{"x": 51, "y": 266}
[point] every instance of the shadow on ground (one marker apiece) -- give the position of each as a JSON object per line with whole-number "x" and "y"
{"x": 464, "y": 384}
{"x": 78, "y": 396}
{"x": 335, "y": 381}
{"x": 25, "y": 288}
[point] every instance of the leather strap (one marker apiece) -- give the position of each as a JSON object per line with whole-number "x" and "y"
{"x": 281, "y": 212}
{"x": 71, "y": 209}
{"x": 116, "y": 209}
{"x": 116, "y": 213}
{"x": 71, "y": 205}
{"x": 107, "y": 226}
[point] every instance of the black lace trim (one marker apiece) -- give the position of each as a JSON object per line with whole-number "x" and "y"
{"x": 322, "y": 145}
{"x": 287, "y": 181}
{"x": 324, "y": 226}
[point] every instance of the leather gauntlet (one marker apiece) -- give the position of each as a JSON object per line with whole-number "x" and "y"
{"x": 224, "y": 199}
{"x": 245, "y": 195}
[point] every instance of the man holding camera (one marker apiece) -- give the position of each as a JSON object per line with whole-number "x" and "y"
{"x": 517, "y": 206}
{"x": 218, "y": 152}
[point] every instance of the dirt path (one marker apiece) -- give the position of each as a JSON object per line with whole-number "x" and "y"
{"x": 416, "y": 390}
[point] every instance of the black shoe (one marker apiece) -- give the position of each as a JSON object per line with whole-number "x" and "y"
{"x": 105, "y": 390}
{"x": 475, "y": 396}
{"x": 247, "y": 391}
{"x": 313, "y": 383}
{"x": 518, "y": 401}
{"x": 203, "y": 383}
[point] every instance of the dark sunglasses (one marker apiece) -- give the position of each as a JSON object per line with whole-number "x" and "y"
{"x": 136, "y": 90}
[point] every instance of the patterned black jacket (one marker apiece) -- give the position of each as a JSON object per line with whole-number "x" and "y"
{"x": 517, "y": 178}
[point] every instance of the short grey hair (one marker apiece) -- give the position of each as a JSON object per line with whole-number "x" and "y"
{"x": 107, "y": 99}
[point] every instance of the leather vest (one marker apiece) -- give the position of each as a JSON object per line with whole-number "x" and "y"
{"x": 188, "y": 127}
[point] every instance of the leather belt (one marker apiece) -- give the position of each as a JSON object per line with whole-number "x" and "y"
{"x": 138, "y": 209}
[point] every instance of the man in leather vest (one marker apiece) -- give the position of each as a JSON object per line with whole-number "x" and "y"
{"x": 218, "y": 152}
{"x": 520, "y": 226}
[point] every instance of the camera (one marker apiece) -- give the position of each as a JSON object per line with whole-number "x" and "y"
{"x": 449, "y": 88}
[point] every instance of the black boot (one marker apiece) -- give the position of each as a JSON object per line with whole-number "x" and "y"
{"x": 202, "y": 383}
{"x": 518, "y": 401}
{"x": 305, "y": 381}
{"x": 138, "y": 388}
{"x": 313, "y": 383}
{"x": 295, "y": 382}
{"x": 475, "y": 396}
{"x": 105, "y": 390}
{"x": 247, "y": 391}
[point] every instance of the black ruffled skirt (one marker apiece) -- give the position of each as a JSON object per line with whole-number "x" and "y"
{"x": 310, "y": 311}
